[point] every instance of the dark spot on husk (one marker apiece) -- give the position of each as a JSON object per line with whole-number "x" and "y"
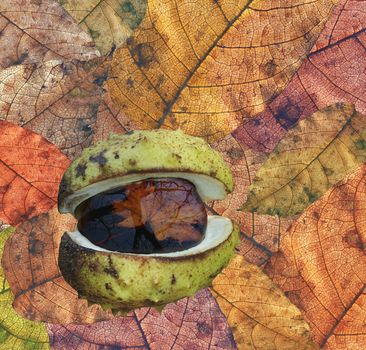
{"x": 99, "y": 158}
{"x": 108, "y": 286}
{"x": 142, "y": 54}
{"x": 116, "y": 155}
{"x": 80, "y": 170}
{"x": 213, "y": 173}
{"x": 93, "y": 266}
{"x": 173, "y": 280}
{"x": 132, "y": 161}
{"x": 110, "y": 270}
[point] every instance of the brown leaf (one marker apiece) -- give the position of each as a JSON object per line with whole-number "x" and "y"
{"x": 260, "y": 233}
{"x": 258, "y": 312}
{"x": 38, "y": 31}
{"x": 31, "y": 169}
{"x": 58, "y": 100}
{"x": 205, "y": 66}
{"x": 191, "y": 323}
{"x": 30, "y": 264}
{"x": 334, "y": 71}
{"x": 321, "y": 265}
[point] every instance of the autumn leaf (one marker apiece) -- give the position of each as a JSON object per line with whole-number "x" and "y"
{"x": 31, "y": 170}
{"x": 258, "y": 312}
{"x": 58, "y": 100}
{"x": 205, "y": 66}
{"x": 191, "y": 323}
{"x": 334, "y": 71}
{"x": 109, "y": 22}
{"x": 321, "y": 265}
{"x": 30, "y": 264}
{"x": 312, "y": 157}
{"x": 38, "y": 31}
{"x": 16, "y": 333}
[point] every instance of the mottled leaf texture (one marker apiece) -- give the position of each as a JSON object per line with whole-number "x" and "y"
{"x": 30, "y": 172}
{"x": 191, "y": 323}
{"x": 312, "y": 157}
{"x": 259, "y": 313}
{"x": 109, "y": 22}
{"x": 38, "y": 31}
{"x": 321, "y": 265}
{"x": 204, "y": 66}
{"x": 16, "y": 333}
{"x": 334, "y": 71}
{"x": 56, "y": 99}
{"x": 30, "y": 265}
{"x": 260, "y": 233}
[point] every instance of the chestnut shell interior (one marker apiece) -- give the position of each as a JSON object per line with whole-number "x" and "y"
{"x": 149, "y": 216}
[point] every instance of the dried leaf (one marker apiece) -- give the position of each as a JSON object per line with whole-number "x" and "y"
{"x": 334, "y": 71}
{"x": 258, "y": 312}
{"x": 205, "y": 66}
{"x": 31, "y": 169}
{"x": 260, "y": 233}
{"x": 321, "y": 265}
{"x": 38, "y": 31}
{"x": 58, "y": 100}
{"x": 30, "y": 264}
{"x": 16, "y": 333}
{"x": 312, "y": 157}
{"x": 109, "y": 22}
{"x": 191, "y": 323}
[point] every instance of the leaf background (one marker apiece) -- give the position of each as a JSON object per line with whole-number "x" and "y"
{"x": 70, "y": 105}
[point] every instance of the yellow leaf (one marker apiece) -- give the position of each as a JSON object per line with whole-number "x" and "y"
{"x": 109, "y": 22}
{"x": 312, "y": 157}
{"x": 258, "y": 312}
{"x": 17, "y": 333}
{"x": 204, "y": 66}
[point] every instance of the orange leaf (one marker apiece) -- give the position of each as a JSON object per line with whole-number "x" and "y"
{"x": 37, "y": 31}
{"x": 334, "y": 71}
{"x": 30, "y": 172}
{"x": 321, "y": 264}
{"x": 30, "y": 264}
{"x": 204, "y": 66}
{"x": 59, "y": 100}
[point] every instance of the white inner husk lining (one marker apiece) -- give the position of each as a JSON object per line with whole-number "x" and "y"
{"x": 218, "y": 229}
{"x": 208, "y": 188}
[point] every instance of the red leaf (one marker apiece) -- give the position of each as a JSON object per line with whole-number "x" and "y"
{"x": 30, "y": 171}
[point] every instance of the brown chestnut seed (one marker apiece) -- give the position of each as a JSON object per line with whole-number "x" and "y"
{"x": 150, "y": 216}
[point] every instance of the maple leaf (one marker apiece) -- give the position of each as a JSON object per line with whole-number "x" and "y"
{"x": 313, "y": 156}
{"x": 31, "y": 169}
{"x": 38, "y": 31}
{"x": 334, "y": 71}
{"x": 109, "y": 23}
{"x": 205, "y": 66}
{"x": 320, "y": 264}
{"x": 16, "y": 332}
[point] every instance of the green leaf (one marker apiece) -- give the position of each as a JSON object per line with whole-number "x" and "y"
{"x": 314, "y": 155}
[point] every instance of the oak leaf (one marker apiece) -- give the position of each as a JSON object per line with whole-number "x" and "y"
{"x": 321, "y": 265}
{"x": 313, "y": 156}
{"x": 59, "y": 100}
{"x": 30, "y": 264}
{"x": 191, "y": 323}
{"x": 334, "y": 71}
{"x": 259, "y": 313}
{"x": 38, "y": 31}
{"x": 109, "y": 22}
{"x": 17, "y": 333}
{"x": 205, "y": 66}
{"x": 31, "y": 169}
